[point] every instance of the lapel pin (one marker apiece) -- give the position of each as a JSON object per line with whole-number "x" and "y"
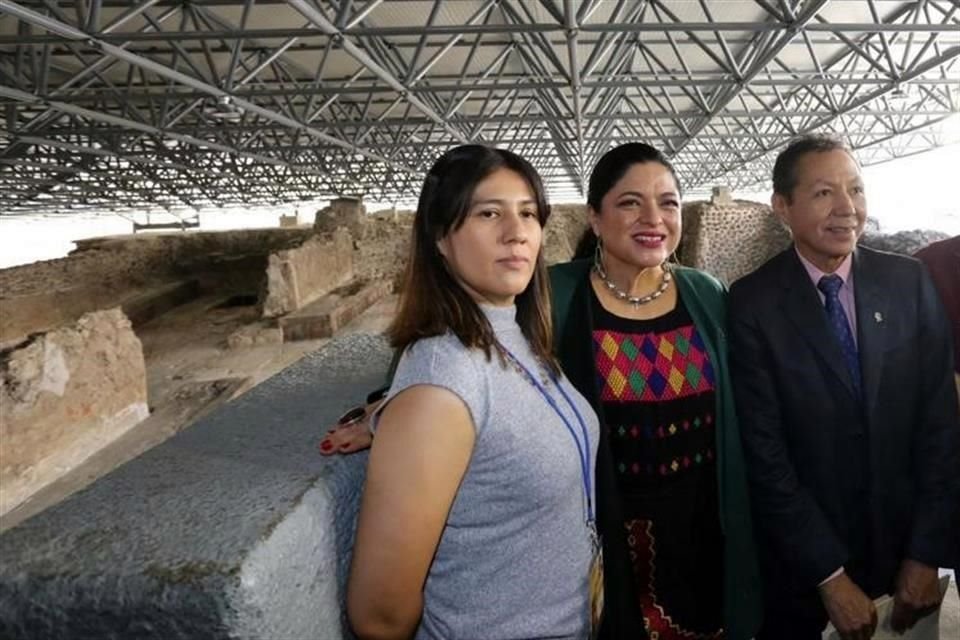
{"x": 878, "y": 317}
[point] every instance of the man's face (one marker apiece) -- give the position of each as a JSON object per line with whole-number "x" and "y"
{"x": 827, "y": 209}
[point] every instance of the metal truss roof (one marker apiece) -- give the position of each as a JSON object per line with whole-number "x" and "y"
{"x": 160, "y": 104}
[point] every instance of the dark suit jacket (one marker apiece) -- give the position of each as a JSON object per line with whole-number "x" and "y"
{"x": 942, "y": 259}
{"x": 838, "y": 480}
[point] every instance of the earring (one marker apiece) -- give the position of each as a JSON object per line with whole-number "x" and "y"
{"x": 598, "y": 255}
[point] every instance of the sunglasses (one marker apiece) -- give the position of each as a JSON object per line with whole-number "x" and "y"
{"x": 351, "y": 417}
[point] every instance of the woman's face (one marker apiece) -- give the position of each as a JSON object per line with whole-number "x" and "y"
{"x": 639, "y": 217}
{"x": 494, "y": 252}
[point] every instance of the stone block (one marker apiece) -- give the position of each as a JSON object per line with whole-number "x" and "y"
{"x": 730, "y": 240}
{"x": 321, "y": 319}
{"x": 721, "y": 196}
{"x": 233, "y": 528}
{"x": 254, "y": 335}
{"x": 342, "y": 212}
{"x": 298, "y": 276}
{"x": 64, "y": 395}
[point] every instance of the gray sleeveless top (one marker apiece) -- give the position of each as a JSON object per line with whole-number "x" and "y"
{"x": 515, "y": 552}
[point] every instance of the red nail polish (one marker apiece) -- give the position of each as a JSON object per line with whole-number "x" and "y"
{"x": 326, "y": 445}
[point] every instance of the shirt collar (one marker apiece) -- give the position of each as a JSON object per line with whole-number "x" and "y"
{"x": 815, "y": 273}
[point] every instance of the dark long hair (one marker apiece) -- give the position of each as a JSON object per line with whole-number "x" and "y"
{"x": 432, "y": 302}
{"x": 615, "y": 163}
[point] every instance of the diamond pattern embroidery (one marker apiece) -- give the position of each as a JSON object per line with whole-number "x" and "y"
{"x": 681, "y": 343}
{"x": 609, "y": 346}
{"x": 676, "y": 380}
{"x": 652, "y": 367}
{"x": 666, "y": 347}
{"x": 616, "y": 382}
{"x": 637, "y": 383}
{"x": 693, "y": 375}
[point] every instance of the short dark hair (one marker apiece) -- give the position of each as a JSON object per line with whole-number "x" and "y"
{"x": 615, "y": 163}
{"x": 785, "y": 167}
{"x": 432, "y": 302}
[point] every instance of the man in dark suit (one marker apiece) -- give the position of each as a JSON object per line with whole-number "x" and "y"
{"x": 842, "y": 368}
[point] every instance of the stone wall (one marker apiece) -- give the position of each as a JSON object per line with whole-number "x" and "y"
{"x": 566, "y": 224}
{"x": 382, "y": 245}
{"x": 120, "y": 261}
{"x": 729, "y": 238}
{"x": 904, "y": 242}
{"x": 65, "y": 394}
{"x": 105, "y": 272}
{"x": 295, "y": 277}
{"x": 23, "y": 315}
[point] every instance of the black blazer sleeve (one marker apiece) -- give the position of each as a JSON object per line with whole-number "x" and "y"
{"x": 936, "y": 455}
{"x": 789, "y": 521}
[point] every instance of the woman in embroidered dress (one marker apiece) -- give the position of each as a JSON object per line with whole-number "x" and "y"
{"x": 644, "y": 343}
{"x": 477, "y": 517}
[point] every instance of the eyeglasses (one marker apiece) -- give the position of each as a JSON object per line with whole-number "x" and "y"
{"x": 352, "y": 417}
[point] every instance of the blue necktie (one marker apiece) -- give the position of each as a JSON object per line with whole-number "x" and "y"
{"x": 830, "y": 286}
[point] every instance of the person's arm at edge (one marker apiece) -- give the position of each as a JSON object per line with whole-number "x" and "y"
{"x": 936, "y": 461}
{"x": 425, "y": 437}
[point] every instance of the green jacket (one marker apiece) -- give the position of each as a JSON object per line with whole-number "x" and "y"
{"x": 705, "y": 299}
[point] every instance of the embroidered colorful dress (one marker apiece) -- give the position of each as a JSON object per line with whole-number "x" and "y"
{"x": 656, "y": 385}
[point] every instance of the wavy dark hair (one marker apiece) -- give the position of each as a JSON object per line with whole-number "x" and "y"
{"x": 432, "y": 302}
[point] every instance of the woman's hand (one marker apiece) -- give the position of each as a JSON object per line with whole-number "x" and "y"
{"x": 350, "y": 433}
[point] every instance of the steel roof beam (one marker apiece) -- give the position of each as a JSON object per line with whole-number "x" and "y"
{"x": 320, "y": 21}
{"x": 575, "y": 88}
{"x": 72, "y": 33}
{"x": 809, "y": 12}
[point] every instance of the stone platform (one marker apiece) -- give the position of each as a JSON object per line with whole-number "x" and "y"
{"x": 323, "y": 317}
{"x": 222, "y": 531}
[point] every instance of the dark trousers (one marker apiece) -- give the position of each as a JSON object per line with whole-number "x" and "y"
{"x": 781, "y": 623}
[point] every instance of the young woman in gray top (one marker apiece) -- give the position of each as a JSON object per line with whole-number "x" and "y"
{"x": 477, "y": 514}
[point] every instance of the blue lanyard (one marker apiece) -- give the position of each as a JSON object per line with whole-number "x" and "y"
{"x": 583, "y": 448}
